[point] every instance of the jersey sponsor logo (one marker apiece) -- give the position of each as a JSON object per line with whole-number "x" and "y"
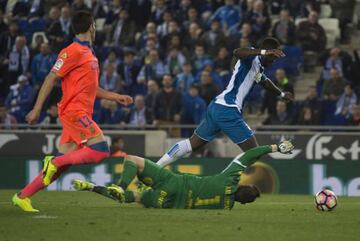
{"x": 59, "y": 63}
{"x": 64, "y": 56}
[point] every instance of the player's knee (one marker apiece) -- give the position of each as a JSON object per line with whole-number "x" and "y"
{"x": 135, "y": 159}
{"x": 101, "y": 151}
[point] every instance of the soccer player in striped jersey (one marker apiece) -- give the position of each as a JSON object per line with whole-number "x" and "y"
{"x": 224, "y": 113}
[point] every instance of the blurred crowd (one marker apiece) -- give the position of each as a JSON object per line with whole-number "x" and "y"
{"x": 175, "y": 56}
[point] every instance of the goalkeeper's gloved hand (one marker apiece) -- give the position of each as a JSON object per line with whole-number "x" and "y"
{"x": 285, "y": 147}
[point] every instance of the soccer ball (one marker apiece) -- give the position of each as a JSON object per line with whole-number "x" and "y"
{"x": 325, "y": 200}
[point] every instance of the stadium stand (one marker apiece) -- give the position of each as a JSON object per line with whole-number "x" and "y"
{"x": 184, "y": 47}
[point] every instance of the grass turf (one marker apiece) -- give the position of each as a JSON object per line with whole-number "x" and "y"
{"x": 87, "y": 216}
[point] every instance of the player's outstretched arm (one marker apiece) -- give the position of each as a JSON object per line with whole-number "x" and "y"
{"x": 242, "y": 53}
{"x": 108, "y": 95}
{"x": 270, "y": 86}
{"x": 45, "y": 90}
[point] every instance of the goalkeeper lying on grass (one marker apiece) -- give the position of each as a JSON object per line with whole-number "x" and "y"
{"x": 165, "y": 189}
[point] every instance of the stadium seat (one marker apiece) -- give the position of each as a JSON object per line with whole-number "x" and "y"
{"x": 100, "y": 22}
{"x": 331, "y": 27}
{"x": 325, "y": 11}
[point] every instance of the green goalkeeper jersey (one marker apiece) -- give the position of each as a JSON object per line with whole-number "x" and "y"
{"x": 172, "y": 190}
{"x": 191, "y": 191}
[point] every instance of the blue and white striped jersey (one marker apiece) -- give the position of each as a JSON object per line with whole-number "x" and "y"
{"x": 247, "y": 72}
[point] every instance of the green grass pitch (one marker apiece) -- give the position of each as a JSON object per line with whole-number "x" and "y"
{"x": 87, "y": 217}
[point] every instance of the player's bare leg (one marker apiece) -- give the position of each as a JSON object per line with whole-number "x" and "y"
{"x": 95, "y": 151}
{"x": 182, "y": 148}
{"x": 248, "y": 144}
{"x": 22, "y": 199}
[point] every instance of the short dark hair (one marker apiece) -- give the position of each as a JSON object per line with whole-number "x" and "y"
{"x": 247, "y": 193}
{"x": 81, "y": 22}
{"x": 269, "y": 43}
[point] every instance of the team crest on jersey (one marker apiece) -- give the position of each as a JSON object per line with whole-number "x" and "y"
{"x": 59, "y": 63}
{"x": 258, "y": 77}
{"x": 64, "y": 56}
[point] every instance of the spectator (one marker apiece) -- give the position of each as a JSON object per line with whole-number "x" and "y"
{"x": 138, "y": 115}
{"x": 311, "y": 35}
{"x": 114, "y": 10}
{"x": 312, "y": 100}
{"x": 281, "y": 117}
{"x": 112, "y": 58}
{"x": 163, "y": 29}
{"x": 6, "y": 119}
{"x": 173, "y": 29}
{"x": 283, "y": 81}
{"x": 270, "y": 100}
{"x": 301, "y": 8}
{"x": 59, "y": 32}
{"x": 333, "y": 62}
{"x": 344, "y": 106}
{"x": 18, "y": 59}
{"x": 308, "y": 117}
{"x": 159, "y": 8}
{"x": 175, "y": 60}
{"x": 339, "y": 60}
{"x": 79, "y": 5}
{"x": 110, "y": 113}
{"x": 193, "y": 36}
{"x": 259, "y": 19}
{"x": 129, "y": 71}
{"x": 20, "y": 99}
{"x": 182, "y": 10}
{"x": 7, "y": 39}
{"x": 228, "y": 15}
{"x": 200, "y": 59}
{"x": 3, "y": 25}
{"x": 223, "y": 62}
{"x": 214, "y": 38}
{"x": 110, "y": 80}
{"x": 344, "y": 11}
{"x": 214, "y": 75}
{"x": 155, "y": 69}
{"x": 192, "y": 17}
{"x": 185, "y": 78}
{"x": 208, "y": 89}
{"x": 284, "y": 29}
{"x": 117, "y": 148}
{"x": 355, "y": 120}
{"x": 143, "y": 7}
{"x": 99, "y": 8}
{"x": 242, "y": 31}
{"x": 333, "y": 87}
{"x": 150, "y": 29}
{"x": 167, "y": 106}
{"x": 37, "y": 40}
{"x": 193, "y": 109}
{"x": 41, "y": 65}
{"x": 122, "y": 31}
{"x": 153, "y": 90}
{"x": 151, "y": 44}
{"x": 51, "y": 117}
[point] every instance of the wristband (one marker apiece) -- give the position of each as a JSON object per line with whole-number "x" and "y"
{"x": 282, "y": 94}
{"x": 263, "y": 51}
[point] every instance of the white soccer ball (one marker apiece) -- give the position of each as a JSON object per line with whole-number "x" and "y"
{"x": 325, "y": 200}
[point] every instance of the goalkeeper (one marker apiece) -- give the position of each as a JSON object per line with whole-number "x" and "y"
{"x": 165, "y": 189}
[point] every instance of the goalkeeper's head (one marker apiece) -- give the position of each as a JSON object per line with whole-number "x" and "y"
{"x": 246, "y": 194}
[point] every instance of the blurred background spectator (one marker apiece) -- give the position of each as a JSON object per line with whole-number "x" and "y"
{"x": 281, "y": 117}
